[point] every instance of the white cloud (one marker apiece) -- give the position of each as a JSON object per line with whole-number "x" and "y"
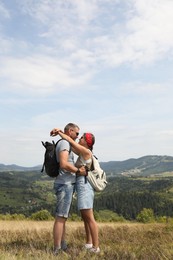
{"x": 62, "y": 11}
{"x": 151, "y": 30}
{"x": 41, "y": 73}
{"x": 142, "y": 88}
{"x": 144, "y": 36}
{"x": 147, "y": 35}
{"x": 5, "y": 45}
{"x": 86, "y": 10}
{"x": 4, "y": 13}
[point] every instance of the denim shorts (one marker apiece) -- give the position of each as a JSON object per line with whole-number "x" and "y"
{"x": 64, "y": 194}
{"x": 85, "y": 193}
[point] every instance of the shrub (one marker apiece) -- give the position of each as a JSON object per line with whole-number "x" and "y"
{"x": 4, "y": 216}
{"x": 41, "y": 215}
{"x": 12, "y": 217}
{"x": 162, "y": 219}
{"x": 18, "y": 217}
{"x": 108, "y": 216}
{"x": 75, "y": 217}
{"x": 145, "y": 216}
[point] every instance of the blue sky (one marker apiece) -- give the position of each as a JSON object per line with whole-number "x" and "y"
{"x": 105, "y": 65}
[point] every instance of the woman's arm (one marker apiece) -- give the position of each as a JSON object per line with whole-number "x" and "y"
{"x": 55, "y": 131}
{"x": 77, "y": 148}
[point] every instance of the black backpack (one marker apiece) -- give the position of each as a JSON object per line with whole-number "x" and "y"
{"x": 50, "y": 163}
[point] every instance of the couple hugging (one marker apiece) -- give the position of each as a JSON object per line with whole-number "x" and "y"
{"x": 72, "y": 177}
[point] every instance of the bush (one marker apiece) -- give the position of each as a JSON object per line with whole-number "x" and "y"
{"x": 75, "y": 217}
{"x": 145, "y": 216}
{"x": 18, "y": 217}
{"x": 42, "y": 215}
{"x": 107, "y": 216}
{"x": 162, "y": 219}
{"x": 12, "y": 217}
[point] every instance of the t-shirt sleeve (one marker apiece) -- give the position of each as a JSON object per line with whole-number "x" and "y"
{"x": 63, "y": 145}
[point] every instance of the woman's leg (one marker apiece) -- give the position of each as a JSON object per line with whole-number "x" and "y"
{"x": 90, "y": 226}
{"x": 88, "y": 234}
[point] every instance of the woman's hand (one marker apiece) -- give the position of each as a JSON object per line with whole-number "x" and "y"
{"x": 82, "y": 171}
{"x": 55, "y": 131}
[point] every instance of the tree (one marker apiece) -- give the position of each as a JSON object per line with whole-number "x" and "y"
{"x": 145, "y": 216}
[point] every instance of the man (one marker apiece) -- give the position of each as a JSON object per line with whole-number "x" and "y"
{"x": 64, "y": 184}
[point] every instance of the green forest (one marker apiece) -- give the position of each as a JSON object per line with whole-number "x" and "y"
{"x": 29, "y": 192}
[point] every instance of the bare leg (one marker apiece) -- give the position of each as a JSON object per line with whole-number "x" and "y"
{"x": 63, "y": 234}
{"x": 88, "y": 217}
{"x": 59, "y": 231}
{"x": 88, "y": 234}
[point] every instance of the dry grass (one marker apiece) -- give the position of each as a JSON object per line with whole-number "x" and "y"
{"x": 123, "y": 241}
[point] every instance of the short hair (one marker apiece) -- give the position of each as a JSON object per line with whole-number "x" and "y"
{"x": 70, "y": 125}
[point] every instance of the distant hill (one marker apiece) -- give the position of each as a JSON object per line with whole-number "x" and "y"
{"x": 14, "y": 167}
{"x": 143, "y": 166}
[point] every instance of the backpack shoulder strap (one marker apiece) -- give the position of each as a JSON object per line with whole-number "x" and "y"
{"x": 67, "y": 141}
{"x": 92, "y": 164}
{"x": 42, "y": 169}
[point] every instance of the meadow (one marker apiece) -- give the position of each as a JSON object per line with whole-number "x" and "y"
{"x": 28, "y": 239}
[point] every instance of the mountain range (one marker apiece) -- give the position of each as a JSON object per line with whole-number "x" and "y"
{"x": 143, "y": 166}
{"x": 14, "y": 167}
{"x": 133, "y": 184}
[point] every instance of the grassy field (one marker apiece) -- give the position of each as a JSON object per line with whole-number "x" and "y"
{"x": 122, "y": 241}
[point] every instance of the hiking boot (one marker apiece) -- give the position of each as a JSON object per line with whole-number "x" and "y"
{"x": 94, "y": 250}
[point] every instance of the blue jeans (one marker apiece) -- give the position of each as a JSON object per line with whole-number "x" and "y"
{"x": 64, "y": 194}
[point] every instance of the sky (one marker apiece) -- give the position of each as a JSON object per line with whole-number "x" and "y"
{"x": 105, "y": 65}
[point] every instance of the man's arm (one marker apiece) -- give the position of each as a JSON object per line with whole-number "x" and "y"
{"x": 64, "y": 164}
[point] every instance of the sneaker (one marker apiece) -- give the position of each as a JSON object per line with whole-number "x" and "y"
{"x": 57, "y": 251}
{"x": 64, "y": 245}
{"x": 94, "y": 250}
{"x": 88, "y": 246}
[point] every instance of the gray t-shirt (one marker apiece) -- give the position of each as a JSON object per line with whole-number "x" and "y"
{"x": 64, "y": 176}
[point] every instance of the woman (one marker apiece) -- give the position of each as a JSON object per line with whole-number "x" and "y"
{"x": 85, "y": 192}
